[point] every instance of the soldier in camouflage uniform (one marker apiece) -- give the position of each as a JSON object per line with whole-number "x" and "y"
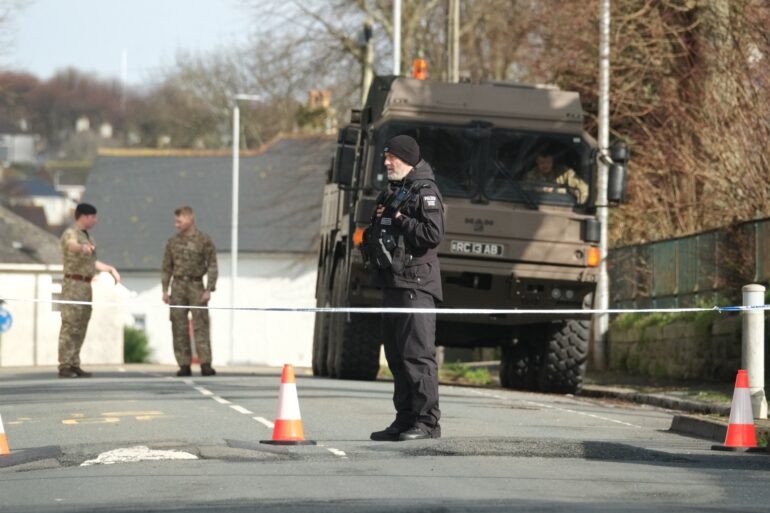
{"x": 80, "y": 265}
{"x": 546, "y": 170}
{"x": 189, "y": 255}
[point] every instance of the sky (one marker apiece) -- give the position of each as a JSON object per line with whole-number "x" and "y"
{"x": 91, "y": 35}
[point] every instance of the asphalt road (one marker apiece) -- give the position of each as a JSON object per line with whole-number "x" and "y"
{"x": 501, "y": 450}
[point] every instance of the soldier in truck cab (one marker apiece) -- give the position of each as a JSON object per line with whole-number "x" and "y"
{"x": 548, "y": 169}
{"x": 401, "y": 247}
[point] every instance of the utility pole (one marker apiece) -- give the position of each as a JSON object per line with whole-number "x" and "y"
{"x": 123, "y": 79}
{"x": 234, "y": 214}
{"x": 453, "y": 41}
{"x": 397, "y": 37}
{"x": 602, "y": 300}
{"x": 367, "y": 60}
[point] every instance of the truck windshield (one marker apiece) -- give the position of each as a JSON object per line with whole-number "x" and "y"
{"x": 535, "y": 167}
{"x": 502, "y": 164}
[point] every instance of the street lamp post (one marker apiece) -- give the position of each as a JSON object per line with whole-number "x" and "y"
{"x": 601, "y": 320}
{"x": 234, "y": 221}
{"x": 397, "y": 37}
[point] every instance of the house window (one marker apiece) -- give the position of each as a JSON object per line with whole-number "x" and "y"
{"x": 140, "y": 322}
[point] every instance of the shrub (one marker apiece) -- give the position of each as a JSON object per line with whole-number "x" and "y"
{"x": 461, "y": 373}
{"x": 136, "y": 348}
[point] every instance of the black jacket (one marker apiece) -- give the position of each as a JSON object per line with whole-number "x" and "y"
{"x": 421, "y": 226}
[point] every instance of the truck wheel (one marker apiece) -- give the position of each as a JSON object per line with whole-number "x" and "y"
{"x": 354, "y": 340}
{"x": 358, "y": 349}
{"x": 321, "y": 329}
{"x": 518, "y": 367}
{"x": 564, "y": 357}
{"x": 321, "y": 342}
{"x": 332, "y": 325}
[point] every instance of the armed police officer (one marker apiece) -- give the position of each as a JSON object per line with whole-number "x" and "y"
{"x": 400, "y": 245}
{"x": 189, "y": 255}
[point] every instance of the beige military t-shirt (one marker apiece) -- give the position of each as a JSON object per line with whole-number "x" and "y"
{"x": 563, "y": 176}
{"x": 78, "y": 263}
{"x": 191, "y": 256}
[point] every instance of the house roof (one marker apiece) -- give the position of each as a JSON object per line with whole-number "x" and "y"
{"x": 281, "y": 190}
{"x": 25, "y": 243}
{"x": 30, "y": 187}
{"x": 32, "y": 214}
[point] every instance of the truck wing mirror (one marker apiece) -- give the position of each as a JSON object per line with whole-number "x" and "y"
{"x": 345, "y": 157}
{"x": 618, "y": 172}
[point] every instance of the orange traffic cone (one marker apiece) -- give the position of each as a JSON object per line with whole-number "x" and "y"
{"x": 288, "y": 423}
{"x": 4, "y": 449}
{"x": 741, "y": 435}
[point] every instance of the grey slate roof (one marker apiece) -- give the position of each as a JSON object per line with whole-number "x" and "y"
{"x": 21, "y": 242}
{"x": 281, "y": 190}
{"x": 30, "y": 187}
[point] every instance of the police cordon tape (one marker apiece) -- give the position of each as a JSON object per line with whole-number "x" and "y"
{"x": 438, "y": 311}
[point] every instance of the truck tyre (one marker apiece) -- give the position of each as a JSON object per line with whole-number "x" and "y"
{"x": 332, "y": 322}
{"x": 564, "y": 356}
{"x": 518, "y": 367}
{"x": 321, "y": 327}
{"x": 354, "y": 340}
{"x": 320, "y": 341}
{"x": 358, "y": 350}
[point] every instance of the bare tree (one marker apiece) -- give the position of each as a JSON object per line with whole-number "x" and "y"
{"x": 8, "y": 9}
{"x": 687, "y": 93}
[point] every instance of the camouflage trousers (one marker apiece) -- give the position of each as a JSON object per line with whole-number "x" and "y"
{"x": 189, "y": 293}
{"x": 74, "y": 322}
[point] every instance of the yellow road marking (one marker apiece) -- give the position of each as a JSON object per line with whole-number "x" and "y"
{"x": 132, "y": 413}
{"x": 95, "y": 420}
{"x": 111, "y": 417}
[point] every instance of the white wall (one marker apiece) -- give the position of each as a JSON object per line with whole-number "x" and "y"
{"x": 282, "y": 280}
{"x": 34, "y": 337}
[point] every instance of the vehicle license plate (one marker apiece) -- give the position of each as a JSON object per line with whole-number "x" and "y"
{"x": 476, "y": 248}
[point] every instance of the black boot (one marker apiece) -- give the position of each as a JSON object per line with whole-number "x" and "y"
{"x": 207, "y": 370}
{"x": 81, "y": 373}
{"x": 389, "y": 434}
{"x": 67, "y": 372}
{"x": 420, "y": 432}
{"x": 184, "y": 370}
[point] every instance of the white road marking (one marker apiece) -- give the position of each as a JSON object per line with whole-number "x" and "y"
{"x": 592, "y": 415}
{"x": 138, "y": 453}
{"x": 236, "y": 407}
{"x": 265, "y": 422}
{"x": 337, "y": 452}
{"x": 558, "y": 408}
{"x": 204, "y": 391}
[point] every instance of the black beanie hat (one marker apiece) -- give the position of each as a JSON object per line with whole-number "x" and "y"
{"x": 405, "y": 148}
{"x": 84, "y": 209}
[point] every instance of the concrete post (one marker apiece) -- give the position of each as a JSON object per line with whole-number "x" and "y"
{"x": 753, "y": 347}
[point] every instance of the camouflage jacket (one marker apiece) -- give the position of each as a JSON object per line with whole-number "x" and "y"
{"x": 190, "y": 256}
{"x": 563, "y": 176}
{"x": 77, "y": 263}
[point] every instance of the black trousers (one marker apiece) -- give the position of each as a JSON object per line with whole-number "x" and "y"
{"x": 410, "y": 348}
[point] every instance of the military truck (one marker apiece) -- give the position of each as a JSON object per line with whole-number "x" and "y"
{"x": 514, "y": 238}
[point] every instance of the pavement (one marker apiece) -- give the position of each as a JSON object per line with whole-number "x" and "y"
{"x": 703, "y": 407}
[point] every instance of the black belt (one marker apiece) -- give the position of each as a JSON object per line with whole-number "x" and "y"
{"x": 78, "y": 277}
{"x": 189, "y": 278}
